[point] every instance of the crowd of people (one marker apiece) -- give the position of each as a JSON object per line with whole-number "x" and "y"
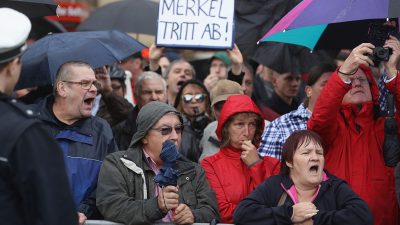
{"x": 82, "y": 150}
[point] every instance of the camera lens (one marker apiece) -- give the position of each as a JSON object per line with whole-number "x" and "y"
{"x": 381, "y": 54}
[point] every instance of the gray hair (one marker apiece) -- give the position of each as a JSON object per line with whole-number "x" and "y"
{"x": 64, "y": 72}
{"x": 168, "y": 70}
{"x": 147, "y": 75}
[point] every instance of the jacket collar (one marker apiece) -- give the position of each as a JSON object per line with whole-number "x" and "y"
{"x": 355, "y": 117}
{"x": 231, "y": 152}
{"x": 83, "y": 126}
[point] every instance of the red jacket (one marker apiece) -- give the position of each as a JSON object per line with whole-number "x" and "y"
{"x": 229, "y": 176}
{"x": 354, "y": 142}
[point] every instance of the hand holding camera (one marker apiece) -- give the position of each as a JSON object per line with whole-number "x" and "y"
{"x": 360, "y": 55}
{"x": 392, "y": 64}
{"x": 378, "y": 34}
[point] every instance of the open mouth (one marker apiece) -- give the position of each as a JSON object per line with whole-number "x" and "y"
{"x": 88, "y": 101}
{"x": 314, "y": 169}
{"x": 180, "y": 83}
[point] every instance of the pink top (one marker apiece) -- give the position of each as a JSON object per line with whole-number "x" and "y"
{"x": 293, "y": 193}
{"x": 167, "y": 218}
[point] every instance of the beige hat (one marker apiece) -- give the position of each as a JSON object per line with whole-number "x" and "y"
{"x": 223, "y": 89}
{"x": 14, "y": 28}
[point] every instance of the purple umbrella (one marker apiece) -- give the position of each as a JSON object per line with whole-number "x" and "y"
{"x": 317, "y": 12}
{"x": 310, "y": 19}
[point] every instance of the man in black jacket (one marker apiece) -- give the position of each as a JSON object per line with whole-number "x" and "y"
{"x": 34, "y": 189}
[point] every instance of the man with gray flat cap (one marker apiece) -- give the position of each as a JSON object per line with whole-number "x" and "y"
{"x": 34, "y": 188}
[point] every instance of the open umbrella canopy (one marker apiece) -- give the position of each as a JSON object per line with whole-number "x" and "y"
{"x": 254, "y": 18}
{"x": 131, "y": 16}
{"x": 345, "y": 22}
{"x": 288, "y": 58}
{"x": 32, "y": 8}
{"x": 98, "y": 48}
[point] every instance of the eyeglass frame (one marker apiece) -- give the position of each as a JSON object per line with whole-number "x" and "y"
{"x": 362, "y": 80}
{"x": 200, "y": 99}
{"x": 92, "y": 82}
{"x": 167, "y": 130}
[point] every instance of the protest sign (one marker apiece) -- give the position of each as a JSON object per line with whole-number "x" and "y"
{"x": 196, "y": 23}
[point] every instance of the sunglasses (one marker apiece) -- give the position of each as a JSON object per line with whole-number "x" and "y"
{"x": 167, "y": 130}
{"x": 197, "y": 97}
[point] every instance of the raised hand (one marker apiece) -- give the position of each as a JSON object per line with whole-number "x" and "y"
{"x": 103, "y": 77}
{"x": 237, "y": 60}
{"x": 210, "y": 81}
{"x": 360, "y": 55}
{"x": 392, "y": 64}
{"x": 155, "y": 54}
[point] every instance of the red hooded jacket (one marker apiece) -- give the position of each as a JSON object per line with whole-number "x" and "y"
{"x": 354, "y": 140}
{"x": 229, "y": 177}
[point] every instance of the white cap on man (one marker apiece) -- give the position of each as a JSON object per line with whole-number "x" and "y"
{"x": 15, "y": 28}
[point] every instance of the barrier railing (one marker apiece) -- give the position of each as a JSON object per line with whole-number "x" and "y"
{"x": 105, "y": 222}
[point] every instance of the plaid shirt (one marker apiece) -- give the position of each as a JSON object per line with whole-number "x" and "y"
{"x": 383, "y": 92}
{"x": 275, "y": 133}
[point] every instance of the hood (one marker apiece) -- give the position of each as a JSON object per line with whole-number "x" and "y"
{"x": 148, "y": 116}
{"x": 233, "y": 105}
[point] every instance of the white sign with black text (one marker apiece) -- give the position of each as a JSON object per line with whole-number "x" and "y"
{"x": 196, "y": 23}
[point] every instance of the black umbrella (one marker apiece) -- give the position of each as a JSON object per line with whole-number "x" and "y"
{"x": 284, "y": 58}
{"x": 131, "y": 16}
{"x": 31, "y": 8}
{"x": 42, "y": 26}
{"x": 42, "y": 59}
{"x": 253, "y": 18}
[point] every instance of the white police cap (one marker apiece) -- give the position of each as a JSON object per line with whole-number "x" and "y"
{"x": 15, "y": 28}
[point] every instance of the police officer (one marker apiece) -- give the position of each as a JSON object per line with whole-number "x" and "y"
{"x": 34, "y": 188}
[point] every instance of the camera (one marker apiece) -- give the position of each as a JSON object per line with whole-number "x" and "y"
{"x": 381, "y": 54}
{"x": 378, "y": 34}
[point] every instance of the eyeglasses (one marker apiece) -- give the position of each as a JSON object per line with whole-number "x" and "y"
{"x": 167, "y": 130}
{"x": 198, "y": 98}
{"x": 85, "y": 84}
{"x": 362, "y": 80}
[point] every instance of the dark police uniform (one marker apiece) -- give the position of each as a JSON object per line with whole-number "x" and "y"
{"x": 33, "y": 184}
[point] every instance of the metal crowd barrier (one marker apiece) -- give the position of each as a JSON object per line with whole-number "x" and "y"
{"x": 105, "y": 222}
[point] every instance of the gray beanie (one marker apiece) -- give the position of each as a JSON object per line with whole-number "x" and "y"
{"x": 148, "y": 116}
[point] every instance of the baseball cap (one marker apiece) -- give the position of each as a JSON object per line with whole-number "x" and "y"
{"x": 223, "y": 89}
{"x": 223, "y": 56}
